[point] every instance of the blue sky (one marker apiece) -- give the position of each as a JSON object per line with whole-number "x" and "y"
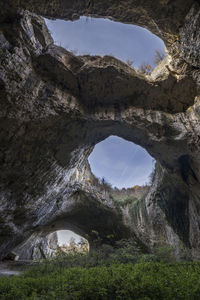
{"x": 97, "y": 36}
{"x": 122, "y": 163}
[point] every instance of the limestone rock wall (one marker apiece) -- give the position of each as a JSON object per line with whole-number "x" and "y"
{"x": 38, "y": 247}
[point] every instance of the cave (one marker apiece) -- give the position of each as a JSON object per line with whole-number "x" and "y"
{"x": 56, "y": 106}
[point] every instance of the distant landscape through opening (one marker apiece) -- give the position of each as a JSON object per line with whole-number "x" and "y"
{"x": 65, "y": 237}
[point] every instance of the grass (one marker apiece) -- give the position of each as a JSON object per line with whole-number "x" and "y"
{"x": 141, "y": 281}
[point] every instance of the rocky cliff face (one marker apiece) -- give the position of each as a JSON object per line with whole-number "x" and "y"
{"x": 38, "y": 247}
{"x": 56, "y": 106}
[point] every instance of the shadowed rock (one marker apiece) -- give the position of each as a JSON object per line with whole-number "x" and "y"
{"x": 55, "y": 107}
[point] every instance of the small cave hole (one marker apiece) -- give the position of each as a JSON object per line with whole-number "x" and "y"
{"x": 134, "y": 45}
{"x": 121, "y": 164}
{"x": 68, "y": 242}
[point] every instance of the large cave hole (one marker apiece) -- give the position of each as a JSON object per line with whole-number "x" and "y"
{"x": 132, "y": 44}
{"x": 121, "y": 164}
{"x": 40, "y": 246}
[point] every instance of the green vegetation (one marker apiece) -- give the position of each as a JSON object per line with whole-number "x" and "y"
{"x": 121, "y": 197}
{"x": 141, "y": 281}
{"x": 138, "y": 207}
{"x": 123, "y": 272}
{"x": 129, "y": 197}
{"x": 125, "y": 251}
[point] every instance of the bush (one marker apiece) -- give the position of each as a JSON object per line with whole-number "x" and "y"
{"x": 164, "y": 254}
{"x": 120, "y": 272}
{"x": 142, "y": 281}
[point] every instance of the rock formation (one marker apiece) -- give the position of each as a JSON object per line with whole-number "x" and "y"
{"x": 38, "y": 247}
{"x": 56, "y": 106}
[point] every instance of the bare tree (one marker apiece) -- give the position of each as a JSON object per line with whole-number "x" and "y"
{"x": 105, "y": 184}
{"x": 145, "y": 68}
{"x": 129, "y": 62}
{"x": 159, "y": 56}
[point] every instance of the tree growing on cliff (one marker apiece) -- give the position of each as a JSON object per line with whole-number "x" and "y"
{"x": 144, "y": 68}
{"x": 129, "y": 62}
{"x": 159, "y": 56}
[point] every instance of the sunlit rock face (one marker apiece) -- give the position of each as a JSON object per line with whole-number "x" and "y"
{"x": 38, "y": 247}
{"x": 41, "y": 245}
{"x": 55, "y": 107}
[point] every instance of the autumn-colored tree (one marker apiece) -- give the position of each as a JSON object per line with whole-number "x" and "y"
{"x": 145, "y": 68}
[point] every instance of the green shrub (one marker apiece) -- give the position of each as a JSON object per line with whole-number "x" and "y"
{"x": 155, "y": 281}
{"x": 120, "y": 272}
{"x": 164, "y": 254}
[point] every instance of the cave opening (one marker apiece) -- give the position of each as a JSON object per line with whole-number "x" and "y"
{"x": 41, "y": 245}
{"x": 68, "y": 237}
{"x": 134, "y": 45}
{"x": 121, "y": 163}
